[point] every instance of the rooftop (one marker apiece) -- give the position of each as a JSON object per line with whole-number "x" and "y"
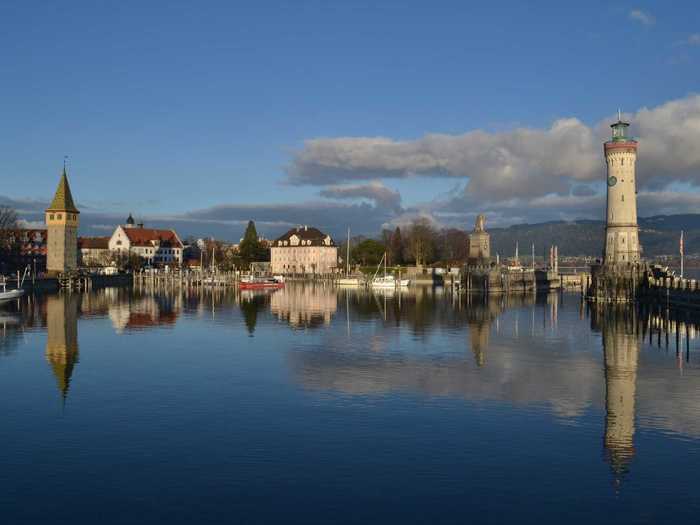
{"x": 312, "y": 236}
{"x": 63, "y": 199}
{"x": 147, "y": 236}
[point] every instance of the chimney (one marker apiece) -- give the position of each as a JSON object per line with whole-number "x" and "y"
{"x": 306, "y": 227}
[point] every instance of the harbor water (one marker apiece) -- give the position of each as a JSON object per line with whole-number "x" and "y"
{"x": 313, "y": 404}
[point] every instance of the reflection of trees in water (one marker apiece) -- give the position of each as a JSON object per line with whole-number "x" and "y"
{"x": 251, "y": 303}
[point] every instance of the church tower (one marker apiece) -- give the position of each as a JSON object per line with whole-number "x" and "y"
{"x": 621, "y": 231}
{"x": 62, "y": 230}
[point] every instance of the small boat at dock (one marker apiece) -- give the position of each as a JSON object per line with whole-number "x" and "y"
{"x": 348, "y": 280}
{"x": 387, "y": 281}
{"x": 261, "y": 283}
{"x": 9, "y": 295}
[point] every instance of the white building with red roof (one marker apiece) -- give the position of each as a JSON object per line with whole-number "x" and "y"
{"x": 156, "y": 247}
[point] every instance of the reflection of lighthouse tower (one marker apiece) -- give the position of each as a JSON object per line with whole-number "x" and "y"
{"x": 62, "y": 338}
{"x": 621, "y": 348}
{"x": 621, "y": 231}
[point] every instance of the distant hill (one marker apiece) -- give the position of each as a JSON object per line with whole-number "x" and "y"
{"x": 658, "y": 235}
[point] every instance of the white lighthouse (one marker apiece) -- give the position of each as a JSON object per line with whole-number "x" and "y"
{"x": 621, "y": 230}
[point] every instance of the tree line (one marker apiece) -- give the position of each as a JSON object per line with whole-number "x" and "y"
{"x": 420, "y": 243}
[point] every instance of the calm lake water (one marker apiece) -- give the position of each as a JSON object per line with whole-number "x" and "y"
{"x": 316, "y": 405}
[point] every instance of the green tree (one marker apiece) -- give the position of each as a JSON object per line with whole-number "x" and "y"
{"x": 251, "y": 249}
{"x": 368, "y": 252}
{"x": 396, "y": 247}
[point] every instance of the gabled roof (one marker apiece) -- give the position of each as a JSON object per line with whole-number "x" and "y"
{"x": 93, "y": 243}
{"x": 305, "y": 233}
{"x": 63, "y": 199}
{"x": 147, "y": 236}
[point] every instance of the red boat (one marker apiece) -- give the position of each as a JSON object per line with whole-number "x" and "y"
{"x": 261, "y": 283}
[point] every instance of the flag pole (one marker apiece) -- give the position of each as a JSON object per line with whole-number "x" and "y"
{"x": 682, "y": 250}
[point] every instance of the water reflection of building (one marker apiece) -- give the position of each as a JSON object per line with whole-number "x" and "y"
{"x": 62, "y": 338}
{"x": 479, "y": 320}
{"x": 145, "y": 311}
{"x": 621, "y": 343}
{"x": 304, "y": 305}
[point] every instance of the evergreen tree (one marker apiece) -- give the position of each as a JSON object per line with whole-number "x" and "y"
{"x": 396, "y": 247}
{"x": 368, "y": 253}
{"x": 250, "y": 248}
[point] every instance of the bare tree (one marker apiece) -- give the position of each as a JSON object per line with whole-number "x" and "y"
{"x": 8, "y": 223}
{"x": 421, "y": 240}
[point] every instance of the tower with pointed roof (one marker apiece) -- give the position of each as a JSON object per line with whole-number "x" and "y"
{"x": 62, "y": 230}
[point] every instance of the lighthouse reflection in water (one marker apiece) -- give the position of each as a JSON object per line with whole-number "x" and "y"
{"x": 458, "y": 408}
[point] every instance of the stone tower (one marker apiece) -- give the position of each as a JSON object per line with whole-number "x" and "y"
{"x": 479, "y": 249}
{"x": 62, "y": 230}
{"x": 621, "y": 231}
{"x": 62, "y": 338}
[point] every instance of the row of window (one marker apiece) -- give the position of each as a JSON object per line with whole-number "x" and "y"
{"x": 59, "y": 216}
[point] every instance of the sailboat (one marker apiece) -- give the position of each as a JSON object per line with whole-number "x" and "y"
{"x": 8, "y": 295}
{"x": 347, "y": 280}
{"x": 213, "y": 279}
{"x": 386, "y": 281}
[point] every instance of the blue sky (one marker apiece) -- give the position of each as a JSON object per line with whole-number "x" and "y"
{"x": 172, "y": 109}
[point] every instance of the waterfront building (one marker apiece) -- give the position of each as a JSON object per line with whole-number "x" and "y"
{"x": 303, "y": 250}
{"x": 479, "y": 249}
{"x": 621, "y": 230}
{"x": 93, "y": 250}
{"x": 62, "y": 230}
{"x": 158, "y": 247}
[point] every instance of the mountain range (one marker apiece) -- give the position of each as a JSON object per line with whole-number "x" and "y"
{"x": 658, "y": 235}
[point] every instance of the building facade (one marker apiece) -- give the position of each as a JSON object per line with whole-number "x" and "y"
{"x": 94, "y": 251}
{"x": 621, "y": 230}
{"x": 62, "y": 230}
{"x": 155, "y": 247}
{"x": 479, "y": 249}
{"x": 303, "y": 250}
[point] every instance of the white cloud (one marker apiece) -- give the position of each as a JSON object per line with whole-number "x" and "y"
{"x": 375, "y": 191}
{"x": 642, "y": 17}
{"x": 517, "y": 165}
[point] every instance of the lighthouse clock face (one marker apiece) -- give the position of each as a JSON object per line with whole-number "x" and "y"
{"x": 612, "y": 181}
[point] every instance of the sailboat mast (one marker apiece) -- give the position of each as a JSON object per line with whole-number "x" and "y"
{"x": 347, "y": 258}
